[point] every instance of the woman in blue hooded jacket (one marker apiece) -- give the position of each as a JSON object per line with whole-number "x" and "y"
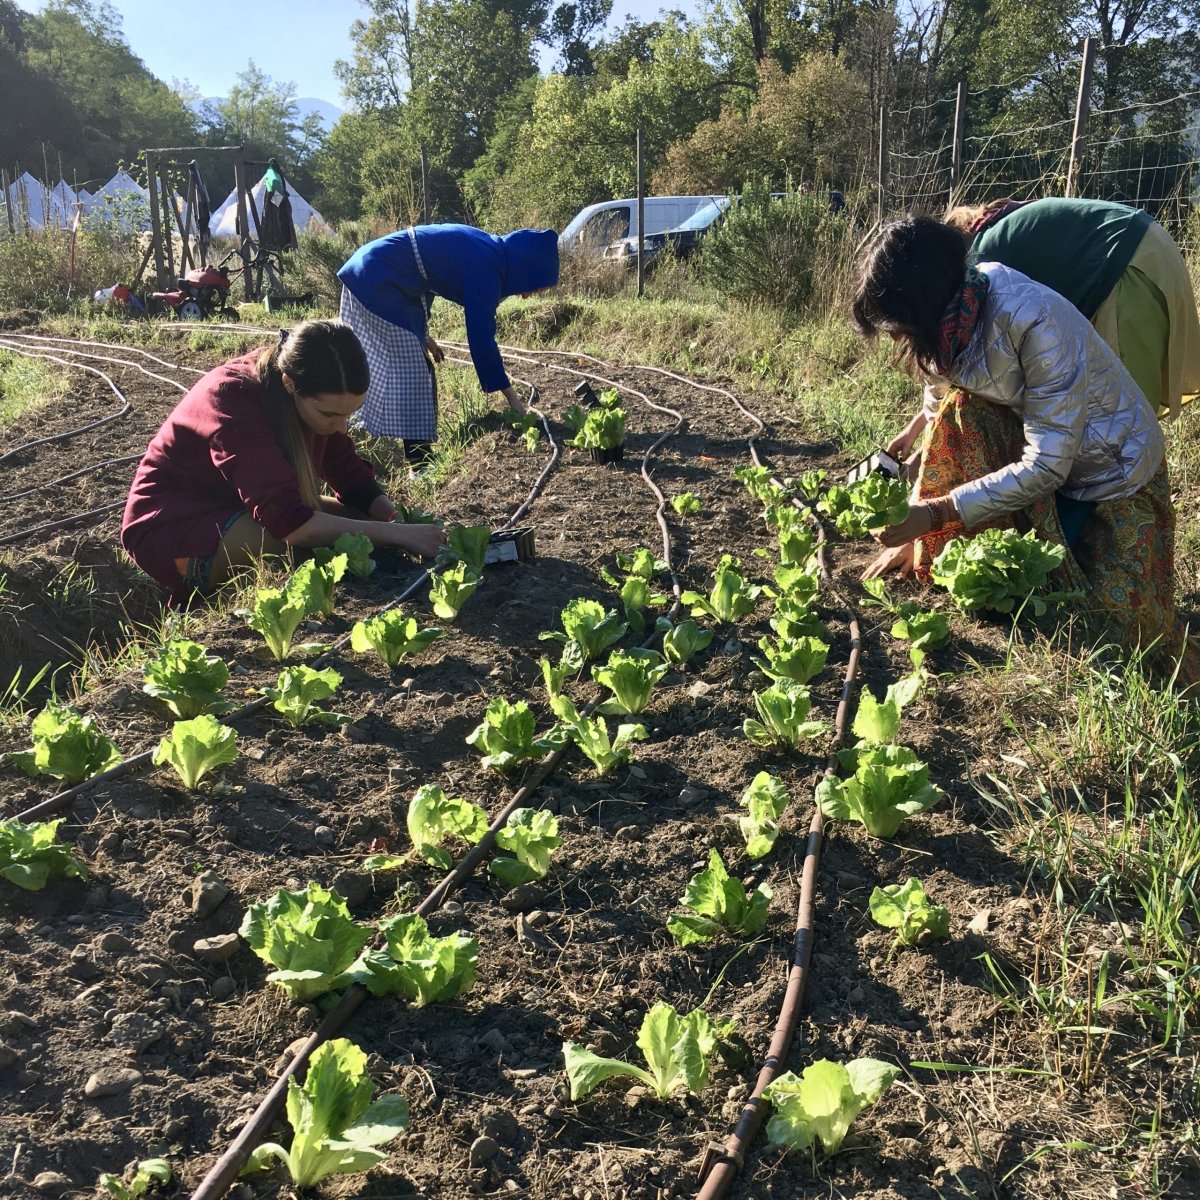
{"x": 388, "y": 288}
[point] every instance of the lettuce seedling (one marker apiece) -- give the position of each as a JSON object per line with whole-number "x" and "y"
{"x": 764, "y": 801}
{"x": 630, "y": 676}
{"x": 553, "y": 677}
{"x": 758, "y": 482}
{"x": 187, "y": 679}
{"x": 800, "y": 659}
{"x": 835, "y": 501}
{"x": 905, "y": 908}
{"x": 66, "y": 746}
{"x": 797, "y": 543}
{"x": 821, "y": 1103}
{"x": 530, "y": 836}
{"x": 277, "y": 615}
{"x": 602, "y": 429}
{"x": 794, "y": 619}
{"x": 505, "y": 735}
{"x": 682, "y": 641}
{"x": 31, "y": 855}
{"x": 783, "y": 709}
{"x": 421, "y": 968}
{"x": 195, "y": 747}
{"x": 414, "y": 514}
{"x": 889, "y": 783}
{"x": 573, "y": 418}
{"x": 810, "y": 483}
{"x": 685, "y": 504}
{"x": 433, "y": 817}
{"x": 309, "y": 938}
{"x": 677, "y": 1050}
{"x": 590, "y": 734}
{"x": 313, "y": 583}
{"x": 150, "y": 1172}
{"x": 452, "y": 588}
{"x": 358, "y": 549}
{"x": 731, "y": 597}
{"x": 925, "y": 629}
{"x": 636, "y": 589}
{"x": 719, "y": 904}
{"x": 335, "y": 1127}
{"x": 465, "y": 544}
{"x": 878, "y": 501}
{"x": 588, "y": 631}
{"x": 392, "y": 636}
{"x": 998, "y": 569}
{"x": 297, "y": 692}
{"x": 878, "y": 721}
{"x": 798, "y": 586}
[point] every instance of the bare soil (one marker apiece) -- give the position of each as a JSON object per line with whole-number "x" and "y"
{"x": 106, "y": 973}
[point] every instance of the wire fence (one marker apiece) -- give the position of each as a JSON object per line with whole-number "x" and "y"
{"x": 1039, "y": 136}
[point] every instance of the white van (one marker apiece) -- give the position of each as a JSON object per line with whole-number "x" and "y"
{"x": 600, "y": 225}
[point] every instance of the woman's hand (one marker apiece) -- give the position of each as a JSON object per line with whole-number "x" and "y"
{"x": 918, "y": 522}
{"x": 900, "y": 559}
{"x": 514, "y": 400}
{"x": 422, "y": 540}
{"x": 904, "y": 441}
{"x": 435, "y": 351}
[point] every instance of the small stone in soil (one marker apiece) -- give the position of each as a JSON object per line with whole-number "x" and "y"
{"x": 111, "y": 1081}
{"x": 483, "y": 1150}
{"x": 323, "y": 835}
{"x": 136, "y": 1031}
{"x": 113, "y": 943}
{"x": 8, "y": 1055}
{"x": 52, "y": 1183}
{"x": 208, "y": 890}
{"x": 500, "y": 1125}
{"x": 525, "y": 898}
{"x": 452, "y": 908}
{"x": 628, "y": 833}
{"x": 216, "y": 949}
{"x": 691, "y": 795}
{"x": 979, "y": 922}
{"x": 353, "y": 886}
{"x": 16, "y": 1022}
{"x": 222, "y": 988}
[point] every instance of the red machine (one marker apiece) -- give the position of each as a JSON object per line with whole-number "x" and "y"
{"x": 201, "y": 293}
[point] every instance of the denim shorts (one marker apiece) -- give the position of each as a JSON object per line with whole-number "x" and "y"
{"x": 199, "y": 568}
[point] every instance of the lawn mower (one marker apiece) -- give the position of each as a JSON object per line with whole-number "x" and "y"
{"x": 201, "y": 293}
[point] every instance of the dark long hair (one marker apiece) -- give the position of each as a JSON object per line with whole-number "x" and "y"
{"x": 910, "y": 272}
{"x": 321, "y": 357}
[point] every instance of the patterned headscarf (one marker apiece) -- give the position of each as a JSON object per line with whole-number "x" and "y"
{"x": 960, "y": 318}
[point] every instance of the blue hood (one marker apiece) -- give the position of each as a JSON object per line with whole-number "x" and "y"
{"x": 532, "y": 257}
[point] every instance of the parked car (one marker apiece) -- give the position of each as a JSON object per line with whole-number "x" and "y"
{"x": 598, "y": 226}
{"x": 683, "y": 240}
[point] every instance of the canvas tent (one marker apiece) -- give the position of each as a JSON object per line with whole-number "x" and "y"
{"x": 121, "y": 201}
{"x": 35, "y": 206}
{"x": 305, "y": 218}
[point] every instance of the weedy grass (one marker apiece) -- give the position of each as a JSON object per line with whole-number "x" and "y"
{"x": 28, "y": 384}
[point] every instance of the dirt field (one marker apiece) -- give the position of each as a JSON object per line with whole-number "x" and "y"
{"x": 104, "y": 973}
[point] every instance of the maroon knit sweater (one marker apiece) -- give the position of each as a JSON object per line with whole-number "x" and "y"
{"x": 216, "y": 454}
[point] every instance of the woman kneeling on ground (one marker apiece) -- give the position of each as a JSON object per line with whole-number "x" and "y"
{"x": 234, "y": 471}
{"x": 1031, "y": 421}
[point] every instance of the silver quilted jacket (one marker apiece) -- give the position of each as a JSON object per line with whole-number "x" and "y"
{"x": 1089, "y": 431}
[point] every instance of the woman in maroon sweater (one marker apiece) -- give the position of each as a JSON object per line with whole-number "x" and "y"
{"x": 236, "y": 469}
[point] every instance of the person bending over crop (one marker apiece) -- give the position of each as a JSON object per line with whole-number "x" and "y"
{"x": 236, "y": 469}
{"x": 1032, "y": 421}
{"x": 388, "y": 287}
{"x": 1119, "y": 267}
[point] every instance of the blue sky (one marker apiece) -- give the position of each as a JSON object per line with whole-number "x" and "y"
{"x": 207, "y": 44}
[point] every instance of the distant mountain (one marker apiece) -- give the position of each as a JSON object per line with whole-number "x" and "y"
{"x": 329, "y": 113}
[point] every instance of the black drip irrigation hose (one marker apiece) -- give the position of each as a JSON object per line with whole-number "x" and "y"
{"x": 90, "y": 469}
{"x": 228, "y": 1166}
{"x": 5, "y": 344}
{"x": 62, "y": 523}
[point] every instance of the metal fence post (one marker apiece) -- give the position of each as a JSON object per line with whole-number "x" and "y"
{"x": 243, "y": 228}
{"x": 1082, "y": 103}
{"x": 424, "y": 185}
{"x": 641, "y": 209}
{"x": 960, "y": 137}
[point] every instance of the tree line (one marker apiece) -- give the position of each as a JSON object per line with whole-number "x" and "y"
{"x": 771, "y": 90}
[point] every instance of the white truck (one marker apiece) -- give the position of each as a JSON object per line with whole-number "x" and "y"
{"x": 598, "y": 226}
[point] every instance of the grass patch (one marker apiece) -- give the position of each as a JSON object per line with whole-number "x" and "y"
{"x": 27, "y": 384}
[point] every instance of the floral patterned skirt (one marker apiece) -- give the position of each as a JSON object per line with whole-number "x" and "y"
{"x": 1123, "y": 560}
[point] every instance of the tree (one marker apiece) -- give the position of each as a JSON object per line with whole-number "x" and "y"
{"x": 570, "y": 28}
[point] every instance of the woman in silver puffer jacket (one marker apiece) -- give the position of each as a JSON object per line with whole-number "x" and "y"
{"x": 1029, "y": 420}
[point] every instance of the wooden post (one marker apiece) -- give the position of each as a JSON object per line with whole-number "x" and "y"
{"x": 8, "y": 212}
{"x": 239, "y": 176}
{"x": 881, "y": 177}
{"x": 1082, "y": 103}
{"x": 641, "y": 211}
{"x": 185, "y": 229}
{"x": 960, "y": 137}
{"x": 170, "y": 220}
{"x": 155, "y": 219}
{"x": 424, "y": 185}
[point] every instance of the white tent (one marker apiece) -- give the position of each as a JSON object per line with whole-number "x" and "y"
{"x": 305, "y": 218}
{"x": 32, "y": 203}
{"x": 123, "y": 201}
